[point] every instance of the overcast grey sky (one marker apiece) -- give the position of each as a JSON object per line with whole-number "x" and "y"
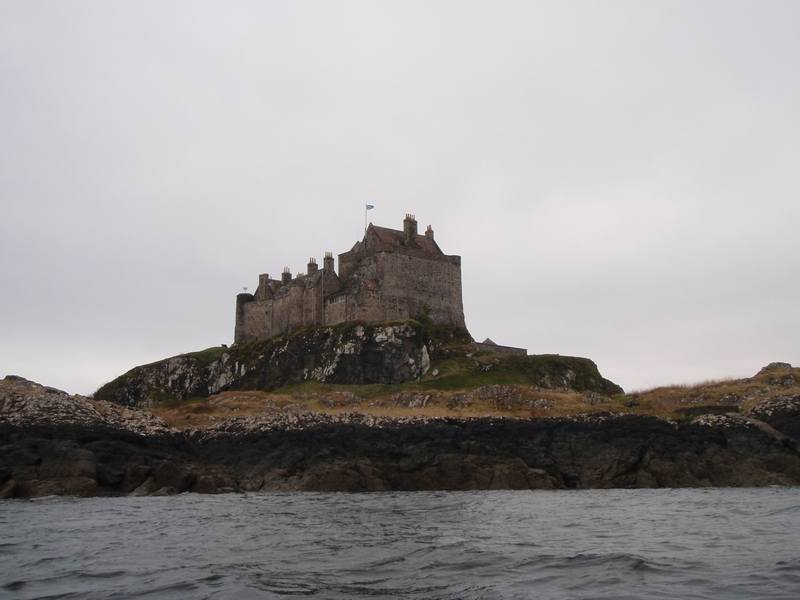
{"x": 621, "y": 179}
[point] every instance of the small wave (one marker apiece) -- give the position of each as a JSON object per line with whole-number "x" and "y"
{"x": 589, "y": 560}
{"x": 788, "y": 565}
{"x": 99, "y": 574}
{"x": 414, "y": 545}
{"x": 786, "y": 509}
{"x": 14, "y": 586}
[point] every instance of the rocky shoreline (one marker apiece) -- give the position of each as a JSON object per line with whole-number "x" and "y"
{"x": 55, "y": 444}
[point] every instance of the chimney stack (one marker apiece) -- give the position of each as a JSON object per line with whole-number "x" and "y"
{"x": 312, "y": 267}
{"x": 429, "y": 232}
{"x": 327, "y": 262}
{"x": 286, "y": 276}
{"x": 409, "y": 227}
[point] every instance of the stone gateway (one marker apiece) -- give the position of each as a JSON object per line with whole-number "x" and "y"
{"x": 390, "y": 275}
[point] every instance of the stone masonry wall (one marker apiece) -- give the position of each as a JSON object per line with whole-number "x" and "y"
{"x": 395, "y": 287}
{"x": 412, "y": 286}
{"x": 294, "y": 305}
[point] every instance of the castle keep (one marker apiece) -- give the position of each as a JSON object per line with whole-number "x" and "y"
{"x": 389, "y": 275}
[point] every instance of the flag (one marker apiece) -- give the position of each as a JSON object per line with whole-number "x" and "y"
{"x": 370, "y": 206}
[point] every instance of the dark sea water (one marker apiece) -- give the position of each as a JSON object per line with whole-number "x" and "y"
{"x": 714, "y": 543}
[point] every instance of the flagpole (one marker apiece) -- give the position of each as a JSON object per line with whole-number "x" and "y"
{"x": 367, "y": 207}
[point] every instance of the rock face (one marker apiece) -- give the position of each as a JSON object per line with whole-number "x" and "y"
{"x": 52, "y": 443}
{"x": 345, "y": 354}
{"x": 598, "y": 452}
{"x": 24, "y": 403}
{"x": 782, "y": 413}
{"x": 350, "y": 353}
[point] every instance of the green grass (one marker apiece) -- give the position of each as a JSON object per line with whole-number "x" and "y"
{"x": 208, "y": 355}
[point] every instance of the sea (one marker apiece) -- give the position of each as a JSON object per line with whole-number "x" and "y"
{"x": 682, "y": 543}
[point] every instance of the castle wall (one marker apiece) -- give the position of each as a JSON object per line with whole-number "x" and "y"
{"x": 393, "y": 287}
{"x": 297, "y": 303}
{"x": 287, "y": 309}
{"x": 411, "y": 285}
{"x": 256, "y": 322}
{"x": 336, "y": 309}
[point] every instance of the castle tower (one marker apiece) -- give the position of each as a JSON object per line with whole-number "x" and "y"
{"x": 409, "y": 227}
{"x": 239, "y": 329}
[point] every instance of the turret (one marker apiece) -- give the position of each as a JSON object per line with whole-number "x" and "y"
{"x": 239, "y": 329}
{"x": 311, "y": 267}
{"x": 327, "y": 262}
{"x": 409, "y": 227}
{"x": 286, "y": 276}
{"x": 429, "y": 232}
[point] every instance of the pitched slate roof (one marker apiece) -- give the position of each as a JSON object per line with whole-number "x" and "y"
{"x": 395, "y": 237}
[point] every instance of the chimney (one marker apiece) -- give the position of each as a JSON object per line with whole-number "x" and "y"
{"x": 409, "y": 227}
{"x": 286, "y": 276}
{"x": 429, "y": 232}
{"x": 327, "y": 263}
{"x": 311, "y": 267}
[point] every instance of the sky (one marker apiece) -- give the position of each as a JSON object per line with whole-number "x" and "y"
{"x": 621, "y": 179}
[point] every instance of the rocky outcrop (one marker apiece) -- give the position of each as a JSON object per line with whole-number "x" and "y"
{"x": 25, "y": 404}
{"x": 347, "y": 354}
{"x": 53, "y": 443}
{"x": 351, "y": 353}
{"x": 782, "y": 413}
{"x": 342, "y": 454}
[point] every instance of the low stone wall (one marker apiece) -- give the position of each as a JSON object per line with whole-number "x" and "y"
{"x": 481, "y": 347}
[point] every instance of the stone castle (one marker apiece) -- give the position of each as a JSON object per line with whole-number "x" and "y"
{"x": 390, "y": 275}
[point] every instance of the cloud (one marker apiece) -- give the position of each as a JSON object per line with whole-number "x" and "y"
{"x": 619, "y": 178}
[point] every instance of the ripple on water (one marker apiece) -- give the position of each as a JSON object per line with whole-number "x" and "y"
{"x": 612, "y": 544}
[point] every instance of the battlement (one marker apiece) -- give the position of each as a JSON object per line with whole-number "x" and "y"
{"x": 388, "y": 275}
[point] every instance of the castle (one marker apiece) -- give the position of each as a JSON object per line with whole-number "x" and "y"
{"x": 389, "y": 275}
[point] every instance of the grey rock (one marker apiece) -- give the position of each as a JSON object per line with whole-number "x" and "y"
{"x": 774, "y": 366}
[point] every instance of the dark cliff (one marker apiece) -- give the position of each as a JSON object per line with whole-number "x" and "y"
{"x": 601, "y": 452}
